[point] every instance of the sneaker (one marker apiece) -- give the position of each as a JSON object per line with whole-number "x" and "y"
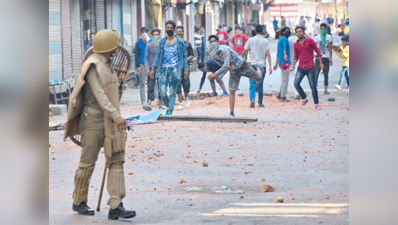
{"x": 318, "y": 107}
{"x": 232, "y": 114}
{"x": 187, "y": 104}
{"x": 261, "y": 105}
{"x": 278, "y": 96}
{"x": 214, "y": 94}
{"x": 304, "y": 102}
{"x": 283, "y": 99}
{"x": 224, "y": 94}
{"x": 251, "y": 104}
{"x": 326, "y": 93}
{"x": 168, "y": 113}
{"x": 144, "y": 103}
{"x": 161, "y": 106}
{"x": 297, "y": 97}
{"x": 180, "y": 107}
{"x": 147, "y": 107}
{"x": 348, "y": 91}
{"x": 338, "y": 87}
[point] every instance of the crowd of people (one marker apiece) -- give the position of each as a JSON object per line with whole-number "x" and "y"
{"x": 164, "y": 63}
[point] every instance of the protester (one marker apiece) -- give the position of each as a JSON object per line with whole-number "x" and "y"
{"x": 292, "y": 73}
{"x": 324, "y": 43}
{"x": 230, "y": 60}
{"x": 90, "y": 43}
{"x": 302, "y": 23}
{"x": 283, "y": 54}
{"x": 184, "y": 82}
{"x": 243, "y": 28}
{"x": 140, "y": 48}
{"x": 283, "y": 22}
{"x": 203, "y": 34}
{"x": 259, "y": 51}
{"x": 198, "y": 44}
{"x": 325, "y": 20}
{"x": 222, "y": 35}
{"x": 317, "y": 27}
{"x": 347, "y": 29}
{"x": 171, "y": 59}
{"x": 343, "y": 53}
{"x": 275, "y": 23}
{"x": 153, "y": 83}
{"x": 227, "y": 29}
{"x": 303, "y": 51}
{"x": 238, "y": 41}
{"x": 211, "y": 66}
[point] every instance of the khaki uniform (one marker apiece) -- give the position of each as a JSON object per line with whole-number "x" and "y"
{"x": 93, "y": 106}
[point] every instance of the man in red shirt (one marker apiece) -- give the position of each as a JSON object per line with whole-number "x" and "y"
{"x": 222, "y": 36}
{"x": 304, "y": 51}
{"x": 238, "y": 41}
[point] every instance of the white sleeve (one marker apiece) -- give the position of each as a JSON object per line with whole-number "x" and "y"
{"x": 266, "y": 45}
{"x": 247, "y": 45}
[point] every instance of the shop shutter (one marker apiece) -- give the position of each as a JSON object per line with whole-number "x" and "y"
{"x": 66, "y": 39}
{"x": 76, "y": 37}
{"x": 108, "y": 14}
{"x": 116, "y": 15}
{"x": 100, "y": 14}
{"x": 55, "y": 42}
{"x": 127, "y": 28}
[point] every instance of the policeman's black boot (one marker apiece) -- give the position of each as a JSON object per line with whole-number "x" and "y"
{"x": 121, "y": 212}
{"x": 83, "y": 209}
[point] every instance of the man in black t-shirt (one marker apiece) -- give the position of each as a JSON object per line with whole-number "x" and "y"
{"x": 185, "y": 83}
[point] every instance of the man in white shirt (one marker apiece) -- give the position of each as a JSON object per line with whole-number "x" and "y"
{"x": 259, "y": 51}
{"x": 317, "y": 26}
{"x": 324, "y": 43}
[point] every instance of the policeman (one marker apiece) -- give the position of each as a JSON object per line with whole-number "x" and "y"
{"x": 94, "y": 113}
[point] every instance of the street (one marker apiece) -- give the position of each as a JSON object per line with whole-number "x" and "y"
{"x": 302, "y": 152}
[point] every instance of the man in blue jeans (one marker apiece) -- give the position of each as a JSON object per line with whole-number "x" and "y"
{"x": 171, "y": 59}
{"x": 303, "y": 51}
{"x": 259, "y": 52}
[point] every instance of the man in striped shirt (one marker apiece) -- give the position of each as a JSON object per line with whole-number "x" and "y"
{"x": 228, "y": 59}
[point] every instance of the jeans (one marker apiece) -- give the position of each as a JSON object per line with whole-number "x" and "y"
{"x": 153, "y": 88}
{"x": 260, "y": 86}
{"x": 311, "y": 78}
{"x": 344, "y": 72}
{"x": 317, "y": 67}
{"x": 168, "y": 77}
{"x": 141, "y": 81}
{"x": 185, "y": 83}
{"x": 200, "y": 52}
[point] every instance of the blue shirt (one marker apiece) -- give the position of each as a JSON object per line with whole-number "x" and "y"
{"x": 283, "y": 45}
{"x": 170, "y": 56}
{"x": 142, "y": 47}
{"x": 275, "y": 23}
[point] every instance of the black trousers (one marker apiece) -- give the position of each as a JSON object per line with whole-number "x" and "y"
{"x": 317, "y": 66}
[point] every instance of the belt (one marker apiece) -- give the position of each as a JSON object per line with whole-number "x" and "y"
{"x": 93, "y": 110}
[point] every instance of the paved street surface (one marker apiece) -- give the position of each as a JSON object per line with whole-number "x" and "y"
{"x": 303, "y": 153}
